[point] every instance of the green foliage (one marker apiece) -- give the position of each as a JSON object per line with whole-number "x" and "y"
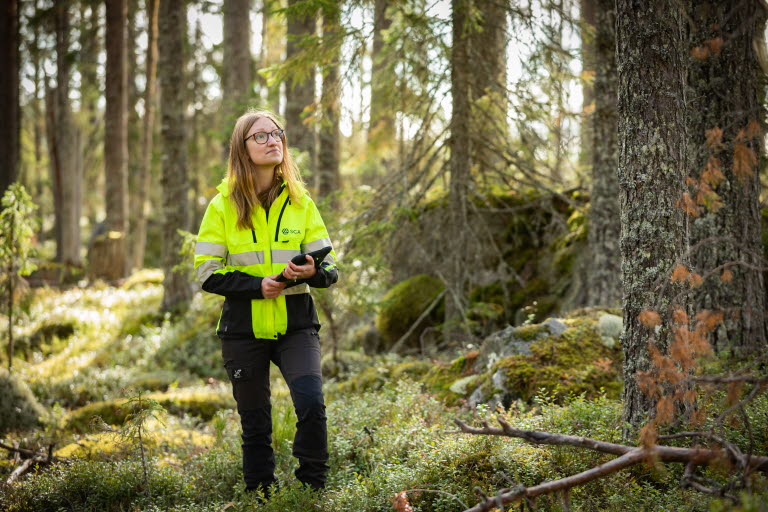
{"x": 18, "y": 224}
{"x": 19, "y": 409}
{"x": 402, "y": 306}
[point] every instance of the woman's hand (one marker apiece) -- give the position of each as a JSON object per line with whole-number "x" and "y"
{"x": 305, "y": 271}
{"x": 271, "y": 288}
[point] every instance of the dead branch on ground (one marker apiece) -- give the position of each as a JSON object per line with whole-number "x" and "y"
{"x": 628, "y": 456}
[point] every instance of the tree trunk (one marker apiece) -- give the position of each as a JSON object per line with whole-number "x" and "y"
{"x": 382, "y": 123}
{"x": 9, "y": 94}
{"x": 64, "y": 145}
{"x": 300, "y": 94}
{"x": 461, "y": 147}
{"x": 604, "y": 270}
{"x": 488, "y": 87}
{"x": 651, "y": 59}
{"x": 134, "y": 131}
{"x": 91, "y": 90}
{"x": 272, "y": 49}
{"x": 170, "y": 74}
{"x": 589, "y": 63}
{"x": 109, "y": 255}
{"x": 237, "y": 77}
{"x": 329, "y": 150}
{"x": 144, "y": 179}
{"x": 726, "y": 86}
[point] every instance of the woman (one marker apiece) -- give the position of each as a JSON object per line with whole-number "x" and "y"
{"x": 261, "y": 218}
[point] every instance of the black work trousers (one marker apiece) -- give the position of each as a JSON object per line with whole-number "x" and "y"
{"x": 297, "y": 354}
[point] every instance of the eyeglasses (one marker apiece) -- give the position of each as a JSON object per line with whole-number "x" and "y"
{"x": 263, "y": 137}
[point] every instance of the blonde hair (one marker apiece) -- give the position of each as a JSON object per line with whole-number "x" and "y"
{"x": 240, "y": 175}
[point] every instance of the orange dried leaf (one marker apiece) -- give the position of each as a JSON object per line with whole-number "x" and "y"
{"x": 695, "y": 280}
{"x": 680, "y": 274}
{"x": 665, "y": 410}
{"x": 700, "y": 53}
{"x": 689, "y": 396}
{"x": 648, "y": 435}
{"x": 603, "y": 364}
{"x": 734, "y": 392}
{"x": 681, "y": 354}
{"x": 714, "y": 45}
{"x": 726, "y": 276}
{"x": 714, "y": 137}
{"x": 649, "y": 318}
{"x": 713, "y": 174}
{"x": 648, "y": 385}
{"x": 709, "y": 319}
{"x": 697, "y": 417}
{"x": 691, "y": 181}
{"x": 744, "y": 162}
{"x": 401, "y": 503}
{"x": 753, "y": 129}
{"x": 688, "y": 205}
{"x": 679, "y": 316}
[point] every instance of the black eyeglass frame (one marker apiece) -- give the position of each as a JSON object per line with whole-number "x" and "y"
{"x": 276, "y": 134}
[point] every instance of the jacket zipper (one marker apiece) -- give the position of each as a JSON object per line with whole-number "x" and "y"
{"x": 254, "y": 235}
{"x": 280, "y": 217}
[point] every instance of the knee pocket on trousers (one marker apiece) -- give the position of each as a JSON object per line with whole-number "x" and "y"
{"x": 307, "y": 392}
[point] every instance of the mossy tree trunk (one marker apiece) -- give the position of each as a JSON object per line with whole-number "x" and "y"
{"x": 588, "y": 25}
{"x": 488, "y": 87}
{"x": 604, "y": 269}
{"x": 9, "y": 94}
{"x": 110, "y": 258}
{"x": 272, "y": 49}
{"x": 726, "y": 85}
{"x": 328, "y": 152}
{"x": 144, "y": 178}
{"x": 170, "y": 74}
{"x": 300, "y": 92}
{"x": 461, "y": 147}
{"x": 381, "y": 129}
{"x": 651, "y": 58}
{"x": 64, "y": 146}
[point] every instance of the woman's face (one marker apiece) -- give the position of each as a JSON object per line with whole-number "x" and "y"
{"x": 268, "y": 154}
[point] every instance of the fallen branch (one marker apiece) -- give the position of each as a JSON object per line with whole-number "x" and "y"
{"x": 628, "y": 456}
{"x": 44, "y": 456}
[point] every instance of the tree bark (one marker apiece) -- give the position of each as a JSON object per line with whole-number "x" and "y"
{"x": 604, "y": 270}
{"x": 272, "y": 49}
{"x": 109, "y": 258}
{"x": 488, "y": 86}
{"x": 64, "y": 145}
{"x": 726, "y": 87}
{"x": 651, "y": 58}
{"x": 382, "y": 123}
{"x": 237, "y": 78}
{"x": 300, "y": 94}
{"x": 461, "y": 147}
{"x": 9, "y": 94}
{"x": 170, "y": 74}
{"x": 144, "y": 179}
{"x": 329, "y": 178}
{"x": 589, "y": 59}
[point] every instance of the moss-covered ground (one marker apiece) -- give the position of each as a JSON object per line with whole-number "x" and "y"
{"x": 390, "y": 425}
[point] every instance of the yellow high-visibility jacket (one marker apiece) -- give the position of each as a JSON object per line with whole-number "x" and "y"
{"x": 232, "y": 262}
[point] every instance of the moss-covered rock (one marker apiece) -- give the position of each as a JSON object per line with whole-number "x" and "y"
{"x": 403, "y": 305}
{"x": 19, "y": 409}
{"x": 562, "y": 356}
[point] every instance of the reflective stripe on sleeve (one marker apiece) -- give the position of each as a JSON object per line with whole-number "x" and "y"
{"x": 207, "y": 268}
{"x": 283, "y": 255}
{"x": 299, "y": 288}
{"x": 210, "y": 249}
{"x": 243, "y": 259}
{"x": 317, "y": 244}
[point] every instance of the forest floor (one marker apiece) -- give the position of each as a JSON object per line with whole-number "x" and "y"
{"x": 106, "y": 365}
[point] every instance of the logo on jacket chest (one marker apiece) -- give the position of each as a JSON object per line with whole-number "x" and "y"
{"x": 288, "y": 231}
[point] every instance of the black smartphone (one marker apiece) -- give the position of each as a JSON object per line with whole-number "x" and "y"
{"x": 300, "y": 259}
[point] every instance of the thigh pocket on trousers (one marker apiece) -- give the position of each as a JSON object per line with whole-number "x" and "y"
{"x": 239, "y": 373}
